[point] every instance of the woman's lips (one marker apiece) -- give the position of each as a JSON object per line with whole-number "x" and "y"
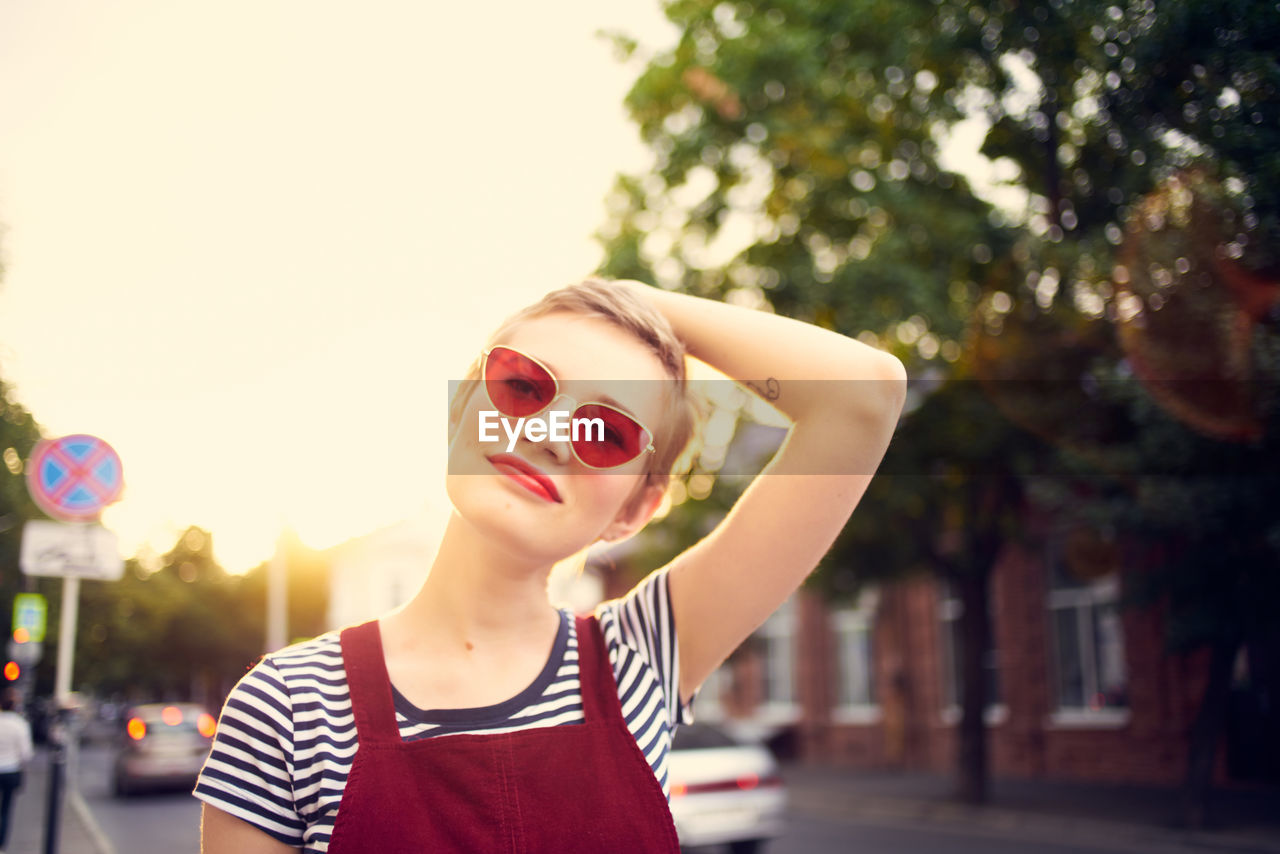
{"x": 526, "y": 475}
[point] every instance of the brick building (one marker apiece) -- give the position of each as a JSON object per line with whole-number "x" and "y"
{"x": 1080, "y": 689}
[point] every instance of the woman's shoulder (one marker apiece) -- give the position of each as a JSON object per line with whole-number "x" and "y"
{"x": 321, "y": 647}
{"x": 303, "y": 661}
{"x": 285, "y": 681}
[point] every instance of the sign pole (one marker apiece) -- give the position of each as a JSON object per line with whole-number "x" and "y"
{"x": 63, "y": 734}
{"x": 53, "y": 807}
{"x": 67, "y": 637}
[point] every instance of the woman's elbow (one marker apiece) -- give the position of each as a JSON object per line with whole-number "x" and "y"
{"x": 895, "y": 385}
{"x": 882, "y": 397}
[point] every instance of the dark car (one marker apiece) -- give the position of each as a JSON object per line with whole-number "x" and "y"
{"x": 163, "y": 746}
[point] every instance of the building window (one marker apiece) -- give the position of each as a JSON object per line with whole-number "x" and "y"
{"x": 1090, "y": 675}
{"x": 777, "y": 647}
{"x": 950, "y": 609}
{"x": 855, "y": 674}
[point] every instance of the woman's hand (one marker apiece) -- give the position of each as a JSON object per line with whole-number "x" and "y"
{"x": 844, "y": 399}
{"x": 802, "y": 369}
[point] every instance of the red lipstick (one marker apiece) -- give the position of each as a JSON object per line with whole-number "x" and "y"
{"x": 527, "y": 475}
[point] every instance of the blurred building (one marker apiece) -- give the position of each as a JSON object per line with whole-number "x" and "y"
{"x": 1079, "y": 688}
{"x": 380, "y": 571}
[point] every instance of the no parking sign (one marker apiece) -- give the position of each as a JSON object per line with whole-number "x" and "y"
{"x": 75, "y": 477}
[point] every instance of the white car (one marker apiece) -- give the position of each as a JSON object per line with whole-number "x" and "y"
{"x": 723, "y": 791}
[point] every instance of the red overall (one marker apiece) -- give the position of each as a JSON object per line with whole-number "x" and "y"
{"x": 572, "y": 788}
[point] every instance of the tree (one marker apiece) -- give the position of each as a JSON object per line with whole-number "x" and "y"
{"x": 186, "y": 628}
{"x": 794, "y": 133}
{"x": 1148, "y": 141}
{"x": 19, "y": 433}
{"x": 798, "y": 167}
{"x": 176, "y": 631}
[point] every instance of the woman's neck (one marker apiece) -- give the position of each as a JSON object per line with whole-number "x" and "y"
{"x": 475, "y": 594}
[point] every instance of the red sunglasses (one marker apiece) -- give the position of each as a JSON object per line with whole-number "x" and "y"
{"x": 519, "y": 385}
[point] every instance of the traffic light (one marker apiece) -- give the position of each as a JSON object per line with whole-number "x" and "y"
{"x": 23, "y": 652}
{"x": 25, "y": 643}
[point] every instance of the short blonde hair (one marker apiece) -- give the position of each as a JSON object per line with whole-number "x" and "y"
{"x": 603, "y": 299}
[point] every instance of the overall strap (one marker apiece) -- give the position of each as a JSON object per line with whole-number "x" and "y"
{"x": 369, "y": 683}
{"x": 595, "y": 673}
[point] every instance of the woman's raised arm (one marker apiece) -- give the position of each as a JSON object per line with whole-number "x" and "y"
{"x": 844, "y": 399}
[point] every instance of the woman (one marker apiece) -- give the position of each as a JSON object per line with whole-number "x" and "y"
{"x": 479, "y": 717}
{"x": 15, "y": 751}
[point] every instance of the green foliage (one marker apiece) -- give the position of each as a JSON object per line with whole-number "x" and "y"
{"x": 798, "y": 167}
{"x": 160, "y": 634}
{"x": 1130, "y": 91}
{"x": 19, "y": 433}
{"x": 184, "y": 628}
{"x": 1128, "y": 94}
{"x": 802, "y": 135}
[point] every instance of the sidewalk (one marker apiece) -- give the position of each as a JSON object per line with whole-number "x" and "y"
{"x": 1112, "y": 817}
{"x": 26, "y": 836}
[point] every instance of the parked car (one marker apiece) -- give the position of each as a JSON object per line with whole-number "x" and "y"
{"x": 724, "y": 791}
{"x": 163, "y": 745}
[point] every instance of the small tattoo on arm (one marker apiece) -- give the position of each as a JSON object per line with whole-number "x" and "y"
{"x": 772, "y": 389}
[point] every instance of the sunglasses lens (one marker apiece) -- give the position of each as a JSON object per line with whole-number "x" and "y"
{"x": 517, "y": 385}
{"x": 609, "y": 438}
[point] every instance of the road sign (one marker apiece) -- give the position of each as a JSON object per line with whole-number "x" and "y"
{"x": 70, "y": 551}
{"x": 75, "y": 477}
{"x": 29, "y": 612}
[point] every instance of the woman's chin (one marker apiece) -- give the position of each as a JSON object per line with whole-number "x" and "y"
{"x": 507, "y": 521}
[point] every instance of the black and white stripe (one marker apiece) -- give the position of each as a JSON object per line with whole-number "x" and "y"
{"x": 286, "y": 738}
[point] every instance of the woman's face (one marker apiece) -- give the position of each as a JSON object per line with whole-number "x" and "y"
{"x": 593, "y": 361}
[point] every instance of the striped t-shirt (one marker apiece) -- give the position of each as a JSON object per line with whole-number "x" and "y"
{"x": 286, "y": 738}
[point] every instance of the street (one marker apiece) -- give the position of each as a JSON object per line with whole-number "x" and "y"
{"x": 811, "y": 835}
{"x": 160, "y": 822}
{"x": 168, "y": 823}
{"x": 825, "y": 836}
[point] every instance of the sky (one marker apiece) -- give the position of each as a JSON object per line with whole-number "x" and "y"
{"x": 249, "y": 243}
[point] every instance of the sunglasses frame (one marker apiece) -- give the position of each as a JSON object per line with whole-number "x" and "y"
{"x": 484, "y": 364}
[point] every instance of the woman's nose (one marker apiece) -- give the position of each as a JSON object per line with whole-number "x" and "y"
{"x": 558, "y": 445}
